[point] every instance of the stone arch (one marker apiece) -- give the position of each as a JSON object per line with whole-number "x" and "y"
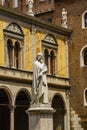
{"x": 22, "y": 103}
{"x": 17, "y": 42}
{"x": 58, "y": 104}
{"x": 9, "y": 41}
{"x": 8, "y": 92}
{"x": 22, "y": 89}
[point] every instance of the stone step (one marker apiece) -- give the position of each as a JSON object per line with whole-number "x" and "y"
{"x": 75, "y": 121}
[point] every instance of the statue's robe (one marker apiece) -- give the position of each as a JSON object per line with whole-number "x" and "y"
{"x": 39, "y": 86}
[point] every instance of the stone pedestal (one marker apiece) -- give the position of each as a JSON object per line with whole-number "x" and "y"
{"x": 40, "y": 117}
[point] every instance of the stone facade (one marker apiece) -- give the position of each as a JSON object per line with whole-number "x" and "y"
{"x": 22, "y": 37}
{"x": 52, "y": 11}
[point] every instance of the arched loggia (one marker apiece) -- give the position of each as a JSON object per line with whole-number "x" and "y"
{"x": 58, "y": 116}
{"x": 22, "y": 104}
{"x": 4, "y": 110}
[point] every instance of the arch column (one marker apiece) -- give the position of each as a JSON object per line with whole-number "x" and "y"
{"x": 56, "y": 65}
{"x": 12, "y": 117}
{"x": 20, "y": 57}
{"x": 67, "y": 117}
{"x": 48, "y": 63}
{"x": 67, "y": 57}
{"x": 33, "y": 31}
{"x": 13, "y": 56}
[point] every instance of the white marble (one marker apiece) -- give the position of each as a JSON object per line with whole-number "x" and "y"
{"x": 40, "y": 117}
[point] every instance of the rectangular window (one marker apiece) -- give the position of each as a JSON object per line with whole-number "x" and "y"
{"x": 42, "y": 0}
{"x": 3, "y": 2}
{"x": 15, "y": 3}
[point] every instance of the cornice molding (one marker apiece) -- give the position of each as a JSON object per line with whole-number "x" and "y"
{"x": 13, "y": 14}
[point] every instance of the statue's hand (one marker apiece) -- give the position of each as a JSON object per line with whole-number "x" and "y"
{"x": 40, "y": 75}
{"x": 44, "y": 83}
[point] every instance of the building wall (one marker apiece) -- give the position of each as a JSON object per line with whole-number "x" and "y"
{"x": 75, "y": 9}
{"x": 16, "y": 83}
{"x": 30, "y": 43}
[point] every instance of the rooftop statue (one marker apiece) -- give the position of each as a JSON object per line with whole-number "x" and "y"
{"x": 30, "y": 7}
{"x": 64, "y": 18}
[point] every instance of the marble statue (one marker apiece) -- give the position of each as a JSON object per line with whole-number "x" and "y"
{"x": 30, "y": 7}
{"x": 39, "y": 86}
{"x": 64, "y": 18}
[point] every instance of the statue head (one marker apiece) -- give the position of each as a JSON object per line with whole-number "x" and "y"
{"x": 39, "y": 57}
{"x": 63, "y": 9}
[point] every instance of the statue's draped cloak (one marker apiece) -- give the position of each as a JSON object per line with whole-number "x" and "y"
{"x": 39, "y": 86}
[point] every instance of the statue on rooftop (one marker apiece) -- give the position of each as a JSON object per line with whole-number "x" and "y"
{"x": 64, "y": 18}
{"x": 39, "y": 86}
{"x": 30, "y": 7}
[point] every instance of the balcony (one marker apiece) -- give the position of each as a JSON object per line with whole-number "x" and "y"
{"x": 23, "y": 76}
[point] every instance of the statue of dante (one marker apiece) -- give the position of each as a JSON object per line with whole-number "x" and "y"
{"x": 39, "y": 86}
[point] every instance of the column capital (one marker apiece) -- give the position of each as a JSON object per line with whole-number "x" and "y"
{"x": 12, "y": 107}
{"x": 67, "y": 94}
{"x": 33, "y": 30}
{"x": 67, "y": 40}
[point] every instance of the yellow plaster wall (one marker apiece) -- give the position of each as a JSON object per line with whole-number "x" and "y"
{"x": 38, "y": 43}
{"x": 2, "y": 26}
{"x": 39, "y": 36}
{"x": 61, "y": 59}
{"x": 27, "y": 49}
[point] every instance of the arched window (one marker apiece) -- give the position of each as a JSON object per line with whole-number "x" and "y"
{"x": 9, "y": 51}
{"x": 14, "y": 38}
{"x": 52, "y": 63}
{"x": 83, "y": 56}
{"x": 85, "y": 97}
{"x": 84, "y": 20}
{"x": 46, "y": 54}
{"x": 17, "y": 56}
{"x": 50, "y": 48}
